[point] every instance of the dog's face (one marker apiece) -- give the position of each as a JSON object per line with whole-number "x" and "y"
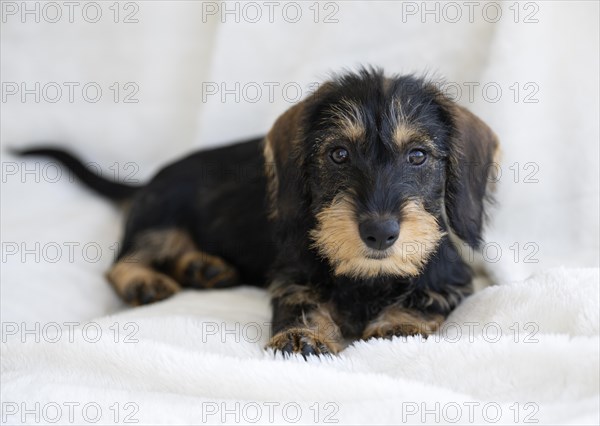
{"x": 374, "y": 161}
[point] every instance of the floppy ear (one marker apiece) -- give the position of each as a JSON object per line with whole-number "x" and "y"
{"x": 285, "y": 152}
{"x": 471, "y": 169}
{"x": 283, "y": 165}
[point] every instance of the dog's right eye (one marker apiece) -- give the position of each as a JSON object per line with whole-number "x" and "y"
{"x": 416, "y": 157}
{"x": 339, "y": 155}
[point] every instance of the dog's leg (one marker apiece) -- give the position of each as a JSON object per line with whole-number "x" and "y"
{"x": 397, "y": 320}
{"x": 421, "y": 313}
{"x": 301, "y": 324}
{"x": 160, "y": 262}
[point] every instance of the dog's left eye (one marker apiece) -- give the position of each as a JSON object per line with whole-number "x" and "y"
{"x": 339, "y": 155}
{"x": 417, "y": 157}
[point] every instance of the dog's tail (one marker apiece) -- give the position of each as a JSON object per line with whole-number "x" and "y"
{"x": 114, "y": 191}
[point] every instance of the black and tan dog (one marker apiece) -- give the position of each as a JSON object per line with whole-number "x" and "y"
{"x": 344, "y": 209}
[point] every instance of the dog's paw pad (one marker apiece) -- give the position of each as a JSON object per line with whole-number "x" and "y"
{"x": 303, "y": 341}
{"x": 205, "y": 271}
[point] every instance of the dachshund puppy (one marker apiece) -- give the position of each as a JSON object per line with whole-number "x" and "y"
{"x": 344, "y": 209}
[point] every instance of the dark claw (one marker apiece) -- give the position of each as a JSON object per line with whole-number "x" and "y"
{"x": 288, "y": 348}
{"x": 324, "y": 350}
{"x": 147, "y": 295}
{"x": 299, "y": 342}
{"x": 308, "y": 350}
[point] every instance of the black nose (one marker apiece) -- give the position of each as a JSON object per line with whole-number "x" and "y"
{"x": 379, "y": 234}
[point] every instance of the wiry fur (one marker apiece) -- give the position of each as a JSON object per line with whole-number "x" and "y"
{"x": 336, "y": 237}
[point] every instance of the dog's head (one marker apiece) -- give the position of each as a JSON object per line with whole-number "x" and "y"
{"x": 378, "y": 167}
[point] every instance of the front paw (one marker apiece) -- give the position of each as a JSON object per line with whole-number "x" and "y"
{"x": 406, "y": 325}
{"x": 303, "y": 341}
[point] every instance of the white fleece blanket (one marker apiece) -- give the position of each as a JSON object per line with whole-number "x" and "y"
{"x": 522, "y": 352}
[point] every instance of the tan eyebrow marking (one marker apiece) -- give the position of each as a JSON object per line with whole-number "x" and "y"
{"x": 349, "y": 120}
{"x": 405, "y": 130}
{"x": 403, "y": 133}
